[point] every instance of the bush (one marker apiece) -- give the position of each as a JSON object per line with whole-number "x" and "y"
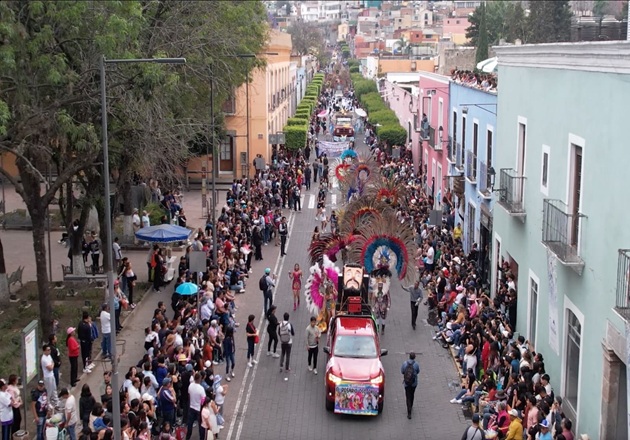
{"x": 383, "y": 117}
{"x": 295, "y": 121}
{"x": 392, "y": 134}
{"x": 295, "y": 136}
{"x": 354, "y": 69}
{"x": 372, "y": 102}
{"x": 363, "y": 87}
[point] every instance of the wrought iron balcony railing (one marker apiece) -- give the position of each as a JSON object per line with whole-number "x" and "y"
{"x": 561, "y": 232}
{"x": 622, "y": 304}
{"x": 511, "y": 187}
{"x": 471, "y": 166}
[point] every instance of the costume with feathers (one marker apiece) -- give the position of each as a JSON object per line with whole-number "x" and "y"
{"x": 321, "y": 291}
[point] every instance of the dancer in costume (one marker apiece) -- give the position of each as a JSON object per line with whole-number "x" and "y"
{"x": 380, "y": 280}
{"x": 295, "y": 276}
{"x": 321, "y": 291}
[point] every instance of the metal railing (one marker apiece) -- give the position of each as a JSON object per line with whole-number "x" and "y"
{"x": 459, "y": 157}
{"x": 471, "y": 166}
{"x": 511, "y": 187}
{"x": 484, "y": 178}
{"x": 450, "y": 149}
{"x": 622, "y": 304}
{"x": 428, "y": 134}
{"x": 560, "y": 231}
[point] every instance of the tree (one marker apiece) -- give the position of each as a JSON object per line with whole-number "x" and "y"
{"x": 515, "y": 23}
{"x": 306, "y": 37}
{"x": 551, "y": 21}
{"x": 503, "y": 20}
{"x": 482, "y": 46}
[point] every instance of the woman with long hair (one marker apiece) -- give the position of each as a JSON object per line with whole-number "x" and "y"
{"x": 131, "y": 278}
{"x": 16, "y": 403}
{"x": 296, "y": 284}
{"x": 86, "y": 404}
{"x": 252, "y": 335}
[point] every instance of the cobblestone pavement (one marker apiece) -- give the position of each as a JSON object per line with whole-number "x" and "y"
{"x": 265, "y": 405}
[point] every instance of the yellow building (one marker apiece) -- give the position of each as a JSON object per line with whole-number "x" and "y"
{"x": 270, "y": 92}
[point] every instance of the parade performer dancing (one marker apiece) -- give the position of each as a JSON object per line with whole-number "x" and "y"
{"x": 321, "y": 291}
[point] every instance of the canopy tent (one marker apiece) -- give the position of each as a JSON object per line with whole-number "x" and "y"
{"x": 163, "y": 234}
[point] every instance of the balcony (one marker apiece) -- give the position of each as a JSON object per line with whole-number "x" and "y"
{"x": 511, "y": 187}
{"x": 622, "y": 305}
{"x": 428, "y": 134}
{"x": 459, "y": 157}
{"x": 483, "y": 182}
{"x": 471, "y": 166}
{"x": 451, "y": 150}
{"x": 561, "y": 233}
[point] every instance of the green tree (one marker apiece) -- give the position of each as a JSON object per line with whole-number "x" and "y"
{"x": 482, "y": 46}
{"x": 515, "y": 23}
{"x": 503, "y": 20}
{"x": 549, "y": 21}
{"x": 306, "y": 38}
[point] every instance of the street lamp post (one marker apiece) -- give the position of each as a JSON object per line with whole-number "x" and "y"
{"x": 109, "y": 262}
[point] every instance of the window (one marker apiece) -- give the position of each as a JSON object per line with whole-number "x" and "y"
{"x": 456, "y": 21}
{"x": 475, "y": 148}
{"x": 440, "y": 114}
{"x": 533, "y": 309}
{"x": 472, "y": 213}
{"x": 489, "y": 141}
{"x": 544, "y": 172}
{"x": 426, "y": 16}
{"x": 226, "y": 154}
{"x": 464, "y": 131}
{"x": 229, "y": 106}
{"x": 572, "y": 363}
{"x": 575, "y": 190}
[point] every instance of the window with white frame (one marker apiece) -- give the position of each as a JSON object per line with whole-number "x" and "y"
{"x": 533, "y": 310}
{"x": 544, "y": 170}
{"x": 572, "y": 365}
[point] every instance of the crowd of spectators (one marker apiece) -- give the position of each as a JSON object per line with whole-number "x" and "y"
{"x": 478, "y": 80}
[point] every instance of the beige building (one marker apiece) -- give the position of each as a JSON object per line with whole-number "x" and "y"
{"x": 270, "y": 94}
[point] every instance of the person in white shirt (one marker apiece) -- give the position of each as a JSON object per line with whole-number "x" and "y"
{"x": 48, "y": 365}
{"x": 135, "y": 220}
{"x": 196, "y": 393}
{"x": 117, "y": 253}
{"x": 146, "y": 221}
{"x": 6, "y": 410}
{"x": 133, "y": 392}
{"x": 70, "y": 412}
{"x": 430, "y": 257}
{"x": 106, "y": 331}
{"x": 219, "y": 394}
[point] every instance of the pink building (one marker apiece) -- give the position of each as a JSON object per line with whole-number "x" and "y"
{"x": 400, "y": 91}
{"x": 433, "y": 101}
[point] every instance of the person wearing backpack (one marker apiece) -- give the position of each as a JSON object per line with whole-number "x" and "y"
{"x": 266, "y": 285}
{"x": 410, "y": 370}
{"x": 285, "y": 333}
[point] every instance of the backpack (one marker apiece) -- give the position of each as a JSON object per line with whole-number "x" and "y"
{"x": 285, "y": 333}
{"x": 409, "y": 375}
{"x": 262, "y": 284}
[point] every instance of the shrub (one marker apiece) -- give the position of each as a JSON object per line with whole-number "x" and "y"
{"x": 392, "y": 134}
{"x": 354, "y": 69}
{"x": 295, "y": 136}
{"x": 383, "y": 117}
{"x": 363, "y": 87}
{"x": 295, "y": 121}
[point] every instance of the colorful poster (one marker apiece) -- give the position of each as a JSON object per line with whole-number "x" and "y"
{"x": 554, "y": 342}
{"x": 333, "y": 149}
{"x": 353, "y": 398}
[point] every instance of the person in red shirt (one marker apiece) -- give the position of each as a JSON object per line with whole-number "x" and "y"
{"x": 73, "y": 355}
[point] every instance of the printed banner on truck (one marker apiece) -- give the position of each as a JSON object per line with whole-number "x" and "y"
{"x": 352, "y": 398}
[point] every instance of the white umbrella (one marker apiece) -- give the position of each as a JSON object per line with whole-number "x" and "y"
{"x": 489, "y": 65}
{"x": 360, "y": 112}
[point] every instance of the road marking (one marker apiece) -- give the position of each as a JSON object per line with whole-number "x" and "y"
{"x": 278, "y": 269}
{"x": 333, "y": 199}
{"x": 311, "y": 201}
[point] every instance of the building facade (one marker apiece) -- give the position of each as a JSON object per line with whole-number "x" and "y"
{"x": 473, "y": 129}
{"x": 560, "y": 168}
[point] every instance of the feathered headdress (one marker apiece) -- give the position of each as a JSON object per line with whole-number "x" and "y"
{"x": 360, "y": 211}
{"x": 384, "y": 243}
{"x": 328, "y": 245}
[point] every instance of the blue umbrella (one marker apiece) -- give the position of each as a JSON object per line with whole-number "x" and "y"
{"x": 163, "y": 234}
{"x": 348, "y": 153}
{"x": 187, "y": 289}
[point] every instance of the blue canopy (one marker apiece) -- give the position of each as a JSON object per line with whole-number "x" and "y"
{"x": 163, "y": 233}
{"x": 187, "y": 289}
{"x": 348, "y": 153}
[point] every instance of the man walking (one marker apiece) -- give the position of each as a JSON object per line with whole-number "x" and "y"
{"x": 313, "y": 333}
{"x": 410, "y": 370}
{"x": 283, "y": 230}
{"x": 267, "y": 283}
{"x": 415, "y": 296}
{"x": 70, "y": 411}
{"x": 285, "y": 333}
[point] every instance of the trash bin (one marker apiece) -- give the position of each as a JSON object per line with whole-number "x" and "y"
{"x": 21, "y": 435}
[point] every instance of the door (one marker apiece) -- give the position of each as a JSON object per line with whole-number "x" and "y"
{"x": 226, "y": 155}
{"x": 575, "y": 194}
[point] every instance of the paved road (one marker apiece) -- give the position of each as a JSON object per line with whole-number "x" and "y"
{"x": 268, "y": 406}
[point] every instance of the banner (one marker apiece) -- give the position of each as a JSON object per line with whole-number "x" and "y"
{"x": 554, "y": 342}
{"x": 332, "y": 149}
{"x": 353, "y": 398}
